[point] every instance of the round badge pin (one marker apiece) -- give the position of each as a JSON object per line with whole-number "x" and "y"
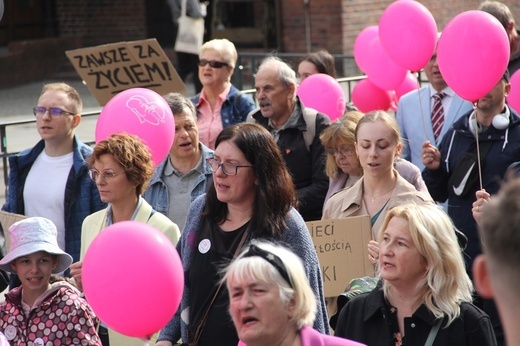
{"x": 204, "y": 245}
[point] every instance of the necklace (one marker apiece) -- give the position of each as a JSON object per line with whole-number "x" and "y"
{"x": 374, "y": 197}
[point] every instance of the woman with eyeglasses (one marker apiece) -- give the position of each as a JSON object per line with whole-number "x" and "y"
{"x": 121, "y": 166}
{"x": 219, "y": 104}
{"x": 252, "y": 197}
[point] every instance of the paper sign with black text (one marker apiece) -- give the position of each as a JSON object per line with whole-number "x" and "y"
{"x": 109, "y": 69}
{"x": 342, "y": 250}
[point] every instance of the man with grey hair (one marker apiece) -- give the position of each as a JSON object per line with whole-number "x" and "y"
{"x": 501, "y": 12}
{"x": 291, "y": 123}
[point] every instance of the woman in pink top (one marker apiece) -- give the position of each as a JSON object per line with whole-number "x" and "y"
{"x": 270, "y": 300}
{"x": 219, "y": 104}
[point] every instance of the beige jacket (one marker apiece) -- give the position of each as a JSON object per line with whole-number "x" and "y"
{"x": 349, "y": 201}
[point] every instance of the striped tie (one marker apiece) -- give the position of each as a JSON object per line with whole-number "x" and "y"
{"x": 437, "y": 114}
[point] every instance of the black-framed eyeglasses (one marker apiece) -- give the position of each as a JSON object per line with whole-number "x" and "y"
{"x": 54, "y": 112}
{"x": 94, "y": 174}
{"x": 212, "y": 63}
{"x": 344, "y": 151}
{"x": 228, "y": 168}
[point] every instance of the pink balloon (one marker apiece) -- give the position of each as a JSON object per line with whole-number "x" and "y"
{"x": 473, "y": 53}
{"x": 380, "y": 69}
{"x": 368, "y": 97}
{"x": 323, "y": 93}
{"x": 362, "y": 43}
{"x": 141, "y": 112}
{"x": 133, "y": 278}
{"x": 409, "y": 83}
{"x": 408, "y": 33}
{"x": 513, "y": 99}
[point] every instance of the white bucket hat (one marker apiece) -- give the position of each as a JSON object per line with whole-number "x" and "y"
{"x": 32, "y": 235}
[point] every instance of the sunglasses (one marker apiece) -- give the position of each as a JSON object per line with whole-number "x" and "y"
{"x": 212, "y": 63}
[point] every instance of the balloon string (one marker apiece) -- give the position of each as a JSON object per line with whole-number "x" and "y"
{"x": 478, "y": 145}
{"x": 421, "y": 108}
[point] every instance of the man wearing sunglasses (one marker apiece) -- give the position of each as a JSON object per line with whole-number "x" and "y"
{"x": 51, "y": 179}
{"x": 284, "y": 115}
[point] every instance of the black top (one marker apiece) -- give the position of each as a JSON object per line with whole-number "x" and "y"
{"x": 214, "y": 249}
{"x": 366, "y": 319}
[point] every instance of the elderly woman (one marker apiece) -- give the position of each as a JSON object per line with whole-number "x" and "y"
{"x": 252, "y": 197}
{"x": 426, "y": 294}
{"x": 219, "y": 104}
{"x": 121, "y": 166}
{"x": 270, "y": 300}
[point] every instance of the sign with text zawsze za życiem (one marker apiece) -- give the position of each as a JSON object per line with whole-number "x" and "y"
{"x": 111, "y": 68}
{"x": 341, "y": 245}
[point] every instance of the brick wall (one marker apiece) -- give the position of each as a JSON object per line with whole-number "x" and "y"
{"x": 358, "y": 14}
{"x": 325, "y": 25}
{"x": 102, "y": 21}
{"x": 34, "y": 60}
{"x": 335, "y": 24}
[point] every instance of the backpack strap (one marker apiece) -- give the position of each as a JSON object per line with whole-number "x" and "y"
{"x": 309, "y": 115}
{"x": 250, "y": 118}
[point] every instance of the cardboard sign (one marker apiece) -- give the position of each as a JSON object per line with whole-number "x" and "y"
{"x": 109, "y": 69}
{"x": 341, "y": 245}
{"x": 7, "y": 219}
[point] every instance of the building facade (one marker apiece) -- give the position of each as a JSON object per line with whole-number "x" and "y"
{"x": 34, "y": 34}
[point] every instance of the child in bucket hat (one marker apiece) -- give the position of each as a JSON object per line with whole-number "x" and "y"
{"x": 39, "y": 312}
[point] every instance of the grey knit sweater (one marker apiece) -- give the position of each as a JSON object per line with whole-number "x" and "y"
{"x": 296, "y": 237}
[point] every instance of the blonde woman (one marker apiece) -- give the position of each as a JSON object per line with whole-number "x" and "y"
{"x": 378, "y": 144}
{"x": 343, "y": 167}
{"x": 219, "y": 104}
{"x": 426, "y": 293}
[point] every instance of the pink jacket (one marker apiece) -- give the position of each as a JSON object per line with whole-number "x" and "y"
{"x": 60, "y": 316}
{"x": 311, "y": 337}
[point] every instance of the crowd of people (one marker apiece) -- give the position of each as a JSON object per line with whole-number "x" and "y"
{"x": 242, "y": 177}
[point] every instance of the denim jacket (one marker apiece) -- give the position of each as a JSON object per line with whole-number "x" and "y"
{"x": 235, "y": 108}
{"x": 157, "y": 193}
{"x": 81, "y": 194}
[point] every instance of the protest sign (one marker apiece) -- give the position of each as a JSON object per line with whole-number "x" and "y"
{"x": 341, "y": 245}
{"x": 7, "y": 219}
{"x": 111, "y": 68}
